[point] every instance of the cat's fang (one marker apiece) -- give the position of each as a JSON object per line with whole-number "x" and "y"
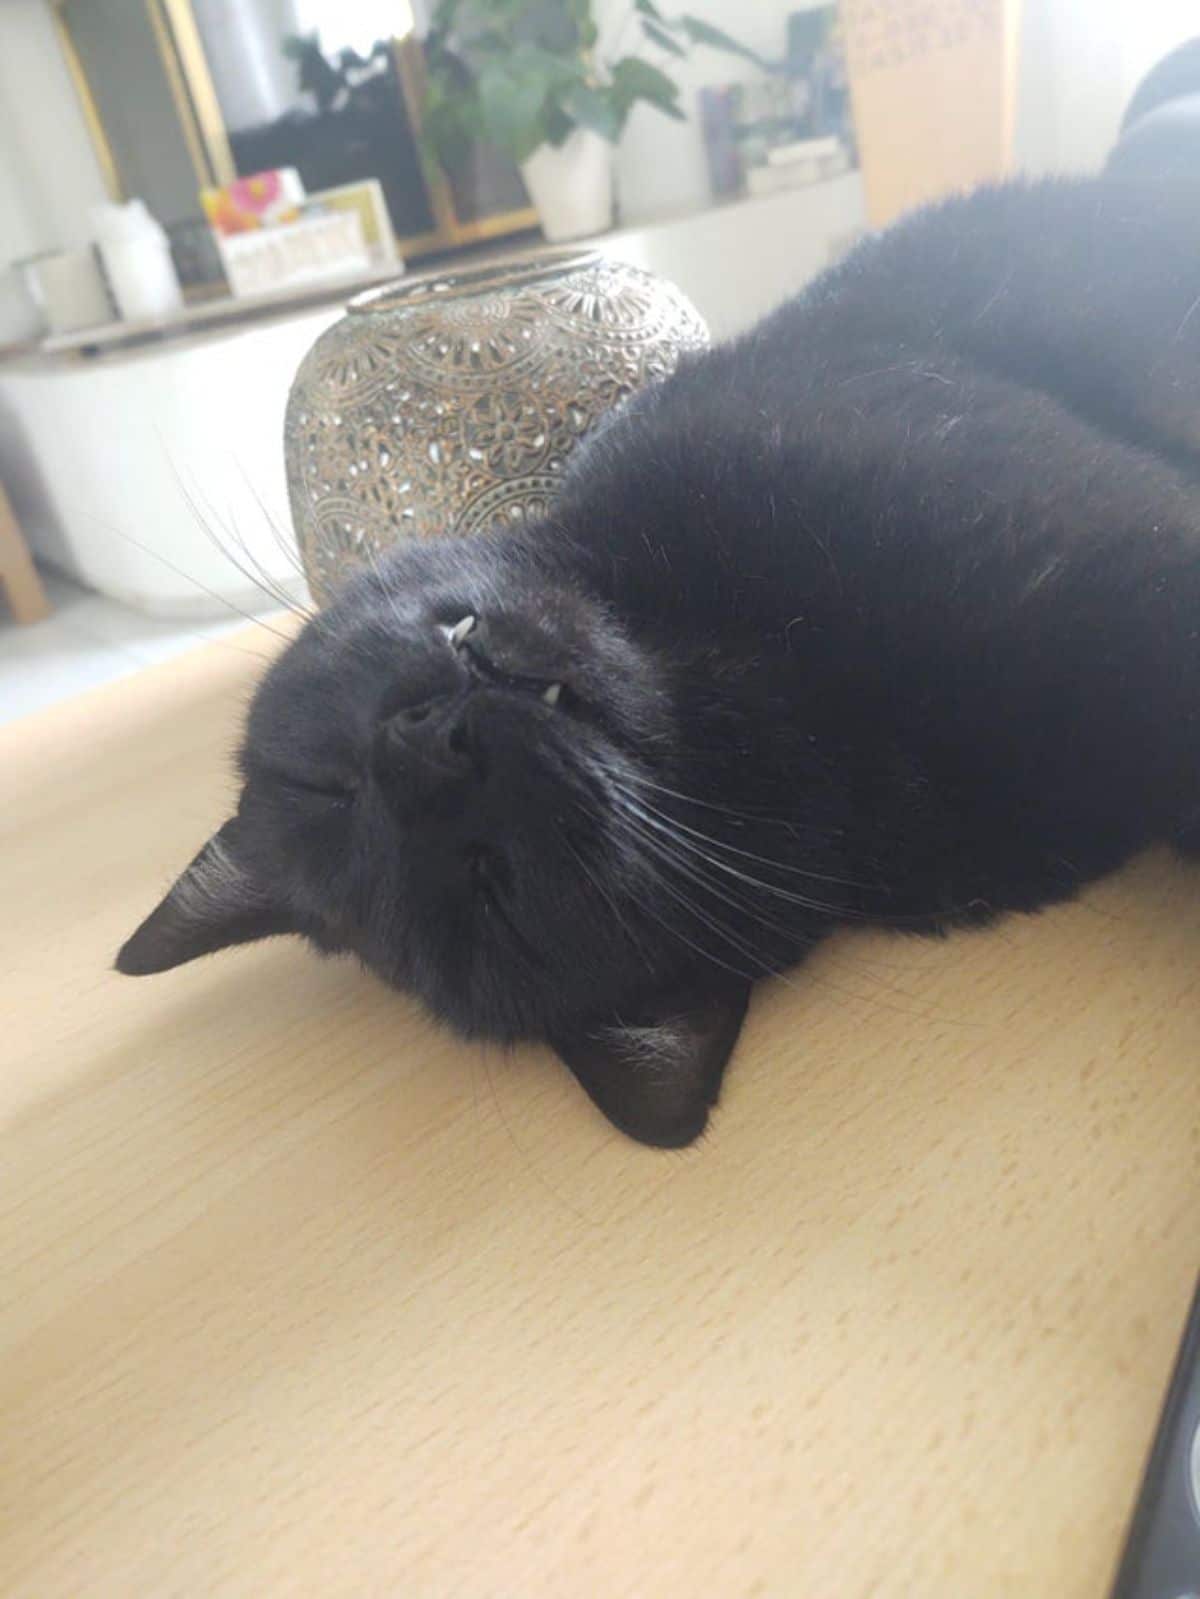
{"x": 460, "y": 630}
{"x": 551, "y": 694}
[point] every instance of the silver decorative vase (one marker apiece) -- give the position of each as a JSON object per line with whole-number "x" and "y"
{"x": 448, "y": 403}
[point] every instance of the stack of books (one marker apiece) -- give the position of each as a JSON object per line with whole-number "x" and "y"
{"x": 789, "y": 127}
{"x": 797, "y": 164}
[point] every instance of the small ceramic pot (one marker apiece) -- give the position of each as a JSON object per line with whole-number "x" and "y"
{"x": 449, "y": 403}
{"x": 572, "y": 185}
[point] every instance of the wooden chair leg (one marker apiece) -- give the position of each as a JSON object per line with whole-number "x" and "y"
{"x": 18, "y": 575}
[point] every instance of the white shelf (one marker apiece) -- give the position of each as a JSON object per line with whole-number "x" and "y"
{"x": 103, "y": 456}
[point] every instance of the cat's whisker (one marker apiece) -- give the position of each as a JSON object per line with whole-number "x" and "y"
{"x": 264, "y": 583}
{"x": 765, "y": 969}
{"x": 654, "y": 913}
{"x": 644, "y": 850}
{"x": 249, "y": 566}
{"x": 384, "y": 589}
{"x": 239, "y": 566}
{"x": 221, "y": 599}
{"x": 285, "y": 545}
{"x": 668, "y": 831}
{"x": 762, "y": 968}
{"x": 608, "y": 899}
{"x": 760, "y": 818}
{"x": 715, "y": 891}
{"x": 658, "y": 855}
{"x": 846, "y": 913}
{"x": 268, "y": 580}
{"x": 733, "y": 849}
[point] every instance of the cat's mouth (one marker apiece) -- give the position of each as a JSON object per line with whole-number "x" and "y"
{"x": 465, "y": 638}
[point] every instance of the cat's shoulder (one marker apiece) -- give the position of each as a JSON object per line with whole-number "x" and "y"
{"x": 1054, "y": 237}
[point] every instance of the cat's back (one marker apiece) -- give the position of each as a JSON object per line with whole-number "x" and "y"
{"x": 1087, "y": 290}
{"x": 993, "y": 399}
{"x": 1082, "y": 291}
{"x": 1015, "y": 257}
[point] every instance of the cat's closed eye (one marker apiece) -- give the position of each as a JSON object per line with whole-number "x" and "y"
{"x": 338, "y": 790}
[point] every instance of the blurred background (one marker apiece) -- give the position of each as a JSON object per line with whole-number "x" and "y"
{"x": 191, "y": 190}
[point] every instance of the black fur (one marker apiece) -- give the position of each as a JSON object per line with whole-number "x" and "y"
{"x": 886, "y": 612}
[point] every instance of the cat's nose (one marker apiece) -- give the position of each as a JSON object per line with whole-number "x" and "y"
{"x": 423, "y": 748}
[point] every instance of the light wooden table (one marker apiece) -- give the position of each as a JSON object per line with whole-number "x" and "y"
{"x": 301, "y": 1297}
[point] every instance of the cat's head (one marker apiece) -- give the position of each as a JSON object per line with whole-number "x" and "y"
{"x": 434, "y": 779}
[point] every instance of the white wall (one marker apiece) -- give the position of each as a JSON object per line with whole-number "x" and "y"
{"x": 1080, "y": 62}
{"x": 661, "y": 167}
{"x": 18, "y": 236}
{"x": 737, "y": 262}
{"x": 46, "y": 157}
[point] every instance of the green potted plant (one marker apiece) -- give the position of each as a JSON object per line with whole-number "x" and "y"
{"x": 528, "y": 77}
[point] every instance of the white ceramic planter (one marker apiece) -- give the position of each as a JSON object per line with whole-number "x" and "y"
{"x": 572, "y": 186}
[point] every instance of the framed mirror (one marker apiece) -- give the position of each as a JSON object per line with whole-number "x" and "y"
{"x": 132, "y": 105}
{"x": 181, "y": 95}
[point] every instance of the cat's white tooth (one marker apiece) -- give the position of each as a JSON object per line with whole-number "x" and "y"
{"x": 551, "y": 694}
{"x": 460, "y": 630}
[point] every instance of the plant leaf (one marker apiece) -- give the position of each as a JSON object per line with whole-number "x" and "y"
{"x": 701, "y": 32}
{"x": 444, "y": 14}
{"x": 635, "y": 79}
{"x": 559, "y": 126}
{"x": 648, "y": 9}
{"x": 553, "y": 71}
{"x": 513, "y": 107}
{"x": 580, "y": 12}
{"x": 594, "y": 109}
{"x": 659, "y": 36}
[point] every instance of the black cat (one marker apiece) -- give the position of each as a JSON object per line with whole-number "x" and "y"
{"x": 887, "y": 612}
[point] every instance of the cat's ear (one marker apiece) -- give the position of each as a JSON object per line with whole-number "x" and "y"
{"x": 656, "y": 1075}
{"x": 216, "y": 902}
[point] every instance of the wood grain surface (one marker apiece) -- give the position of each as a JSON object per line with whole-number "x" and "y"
{"x": 303, "y": 1297}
